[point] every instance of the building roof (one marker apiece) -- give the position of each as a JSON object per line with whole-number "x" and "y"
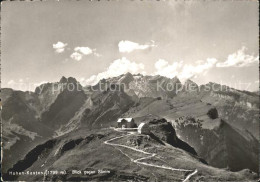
{"x": 141, "y": 125}
{"x": 127, "y": 119}
{"x": 143, "y": 128}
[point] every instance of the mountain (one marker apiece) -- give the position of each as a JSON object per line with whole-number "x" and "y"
{"x": 198, "y": 124}
{"x": 210, "y": 123}
{"x": 143, "y": 86}
{"x": 32, "y": 117}
{"x": 21, "y": 124}
{"x": 238, "y": 108}
{"x": 220, "y": 144}
{"x": 163, "y": 130}
{"x": 190, "y": 86}
{"x": 108, "y": 155}
{"x": 69, "y": 100}
{"x": 101, "y": 109}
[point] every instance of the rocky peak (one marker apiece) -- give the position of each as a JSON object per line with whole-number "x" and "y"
{"x": 176, "y": 79}
{"x": 63, "y": 80}
{"x": 126, "y": 79}
{"x": 69, "y": 83}
{"x": 68, "y": 80}
{"x": 163, "y": 130}
{"x": 128, "y": 74}
{"x": 72, "y": 80}
{"x": 189, "y": 85}
{"x": 188, "y": 82}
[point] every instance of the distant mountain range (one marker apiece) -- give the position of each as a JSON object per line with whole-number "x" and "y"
{"x": 220, "y": 124}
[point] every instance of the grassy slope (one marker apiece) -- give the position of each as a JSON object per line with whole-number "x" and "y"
{"x": 91, "y": 153}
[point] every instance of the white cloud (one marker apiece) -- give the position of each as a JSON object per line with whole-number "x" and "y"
{"x": 79, "y": 52}
{"x": 189, "y": 71}
{"x": 83, "y": 50}
{"x": 76, "y": 56}
{"x": 163, "y": 68}
{"x": 183, "y": 71}
{"x": 97, "y": 54}
{"x": 10, "y": 82}
{"x": 59, "y": 47}
{"x": 128, "y": 46}
{"x": 160, "y": 64}
{"x": 116, "y": 68}
{"x": 239, "y": 59}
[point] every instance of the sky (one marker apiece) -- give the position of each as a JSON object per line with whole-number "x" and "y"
{"x": 205, "y": 41}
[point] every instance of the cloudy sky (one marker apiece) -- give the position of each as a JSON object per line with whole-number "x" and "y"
{"x": 205, "y": 41}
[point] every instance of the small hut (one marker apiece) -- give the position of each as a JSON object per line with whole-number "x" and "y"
{"x": 143, "y": 128}
{"x": 126, "y": 123}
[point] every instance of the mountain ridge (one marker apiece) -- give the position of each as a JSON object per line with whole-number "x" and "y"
{"x": 63, "y": 111}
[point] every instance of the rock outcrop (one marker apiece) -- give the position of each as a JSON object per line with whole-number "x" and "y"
{"x": 164, "y": 131}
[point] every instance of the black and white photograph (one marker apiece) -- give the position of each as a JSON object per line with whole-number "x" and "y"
{"x": 130, "y": 90}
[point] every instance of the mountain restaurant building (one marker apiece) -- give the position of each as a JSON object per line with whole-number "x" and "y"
{"x": 126, "y": 123}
